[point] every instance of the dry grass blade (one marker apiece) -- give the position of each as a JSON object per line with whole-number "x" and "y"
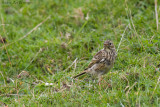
{"x": 13, "y": 95}
{"x": 79, "y": 14}
{"x": 71, "y": 65}
{"x": 23, "y": 74}
{"x": 131, "y": 87}
{"x": 5, "y": 49}
{"x": 158, "y": 81}
{"x": 128, "y": 93}
{"x": 122, "y": 37}
{"x": 156, "y": 13}
{"x": 135, "y": 30}
{"x": 3, "y": 24}
{"x": 74, "y": 62}
{"x": 35, "y": 28}
{"x": 3, "y": 78}
{"x": 3, "y": 41}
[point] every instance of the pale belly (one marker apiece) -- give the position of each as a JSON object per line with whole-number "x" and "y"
{"x": 100, "y": 69}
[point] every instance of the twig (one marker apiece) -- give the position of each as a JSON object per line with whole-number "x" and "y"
{"x": 122, "y": 37}
{"x": 156, "y": 13}
{"x": 35, "y": 28}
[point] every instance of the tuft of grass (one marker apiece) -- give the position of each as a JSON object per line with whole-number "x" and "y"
{"x": 48, "y": 42}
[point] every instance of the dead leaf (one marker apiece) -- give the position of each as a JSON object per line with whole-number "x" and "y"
{"x": 9, "y": 11}
{"x": 24, "y": 105}
{"x": 45, "y": 41}
{"x": 2, "y": 40}
{"x": 67, "y": 35}
{"x": 64, "y": 45}
{"x": 66, "y": 86}
{"x": 8, "y": 80}
{"x": 3, "y": 104}
{"x": 23, "y": 74}
{"x": 157, "y": 69}
{"x": 79, "y": 13}
{"x": 87, "y": 17}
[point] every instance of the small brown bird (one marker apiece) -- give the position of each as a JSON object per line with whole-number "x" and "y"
{"x": 102, "y": 62}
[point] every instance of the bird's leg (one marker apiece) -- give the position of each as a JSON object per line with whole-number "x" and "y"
{"x": 99, "y": 80}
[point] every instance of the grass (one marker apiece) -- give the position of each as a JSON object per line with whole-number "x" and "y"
{"x": 51, "y": 41}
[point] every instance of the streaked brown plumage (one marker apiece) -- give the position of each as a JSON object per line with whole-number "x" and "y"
{"x": 102, "y": 62}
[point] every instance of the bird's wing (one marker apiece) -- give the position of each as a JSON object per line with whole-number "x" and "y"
{"x": 96, "y": 59}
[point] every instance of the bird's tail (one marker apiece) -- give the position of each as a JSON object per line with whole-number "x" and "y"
{"x": 80, "y": 74}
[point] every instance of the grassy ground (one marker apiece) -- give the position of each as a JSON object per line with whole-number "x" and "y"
{"x": 51, "y": 41}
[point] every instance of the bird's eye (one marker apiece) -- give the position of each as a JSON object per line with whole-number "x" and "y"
{"x": 110, "y": 43}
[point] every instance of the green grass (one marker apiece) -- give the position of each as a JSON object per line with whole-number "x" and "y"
{"x": 64, "y": 44}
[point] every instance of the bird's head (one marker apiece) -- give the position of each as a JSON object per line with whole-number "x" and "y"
{"x": 108, "y": 45}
